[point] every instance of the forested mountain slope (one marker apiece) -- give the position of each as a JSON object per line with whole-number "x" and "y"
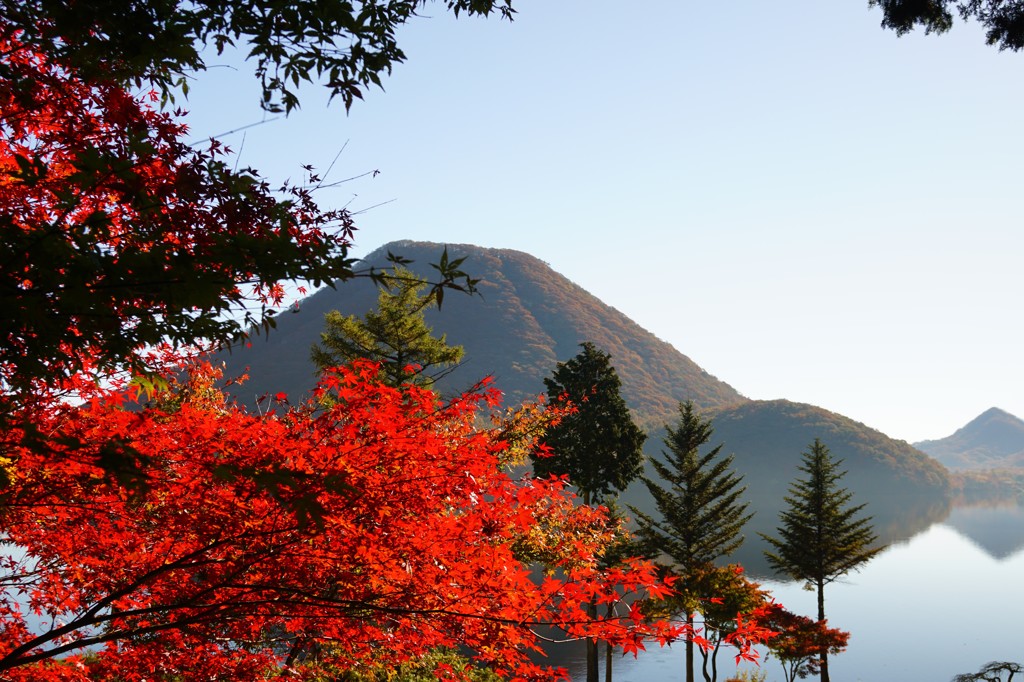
{"x": 768, "y": 437}
{"x": 526, "y": 319}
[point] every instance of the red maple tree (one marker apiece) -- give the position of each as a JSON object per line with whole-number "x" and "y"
{"x": 370, "y": 531}
{"x": 800, "y": 641}
{"x": 118, "y": 237}
{"x": 374, "y": 530}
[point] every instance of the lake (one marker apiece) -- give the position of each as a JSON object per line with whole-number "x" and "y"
{"x": 943, "y": 602}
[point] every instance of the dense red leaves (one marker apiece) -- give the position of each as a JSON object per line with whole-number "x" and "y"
{"x": 117, "y": 235}
{"x": 371, "y": 531}
{"x": 800, "y": 641}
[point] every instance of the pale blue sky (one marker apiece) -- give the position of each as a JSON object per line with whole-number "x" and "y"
{"x": 808, "y": 206}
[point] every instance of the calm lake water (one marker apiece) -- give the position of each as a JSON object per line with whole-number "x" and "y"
{"x": 946, "y": 601}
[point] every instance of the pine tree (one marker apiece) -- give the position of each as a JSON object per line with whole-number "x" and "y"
{"x": 598, "y": 446}
{"x": 821, "y": 537}
{"x": 700, "y": 512}
{"x": 395, "y": 335}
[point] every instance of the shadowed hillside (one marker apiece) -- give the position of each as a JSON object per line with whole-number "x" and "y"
{"x": 905, "y": 490}
{"x": 993, "y": 440}
{"x": 768, "y": 437}
{"x": 525, "y": 320}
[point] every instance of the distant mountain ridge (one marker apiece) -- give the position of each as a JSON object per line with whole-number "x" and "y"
{"x": 769, "y": 437}
{"x": 992, "y": 440}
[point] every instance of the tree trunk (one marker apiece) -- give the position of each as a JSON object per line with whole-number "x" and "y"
{"x": 689, "y": 648}
{"x": 821, "y": 617}
{"x": 711, "y": 657}
{"x": 593, "y": 674}
{"x": 608, "y": 652}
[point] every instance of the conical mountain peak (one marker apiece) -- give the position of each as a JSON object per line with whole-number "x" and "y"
{"x": 993, "y": 439}
{"x": 525, "y": 320}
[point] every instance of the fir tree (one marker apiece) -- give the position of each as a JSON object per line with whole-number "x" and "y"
{"x": 821, "y": 538}
{"x": 598, "y": 446}
{"x": 700, "y": 514}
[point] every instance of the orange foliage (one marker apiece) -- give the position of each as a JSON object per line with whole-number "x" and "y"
{"x": 371, "y": 531}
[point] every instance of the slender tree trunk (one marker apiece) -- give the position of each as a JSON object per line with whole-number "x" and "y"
{"x": 593, "y": 675}
{"x": 821, "y": 617}
{"x": 713, "y": 677}
{"x": 709, "y": 667}
{"x": 608, "y": 652}
{"x": 689, "y": 648}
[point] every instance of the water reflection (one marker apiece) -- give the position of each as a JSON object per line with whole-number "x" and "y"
{"x": 895, "y": 520}
{"x": 945, "y": 598}
{"x": 896, "y": 516}
{"x": 996, "y": 526}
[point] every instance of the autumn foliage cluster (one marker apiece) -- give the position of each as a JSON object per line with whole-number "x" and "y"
{"x": 154, "y": 530}
{"x": 374, "y": 530}
{"x": 800, "y": 641}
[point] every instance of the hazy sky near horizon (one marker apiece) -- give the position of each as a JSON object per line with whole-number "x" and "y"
{"x": 805, "y": 204}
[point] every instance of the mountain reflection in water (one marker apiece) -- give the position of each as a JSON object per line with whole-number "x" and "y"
{"x": 996, "y": 527}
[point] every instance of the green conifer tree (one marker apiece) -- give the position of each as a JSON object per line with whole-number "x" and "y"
{"x": 395, "y": 335}
{"x": 598, "y": 446}
{"x": 700, "y": 515}
{"x": 821, "y": 537}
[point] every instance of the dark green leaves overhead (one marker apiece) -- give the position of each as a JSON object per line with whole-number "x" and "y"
{"x": 1003, "y": 20}
{"x": 346, "y": 46}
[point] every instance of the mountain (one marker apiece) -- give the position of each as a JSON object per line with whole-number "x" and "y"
{"x": 526, "y": 319}
{"x": 769, "y": 436}
{"x": 993, "y": 440}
